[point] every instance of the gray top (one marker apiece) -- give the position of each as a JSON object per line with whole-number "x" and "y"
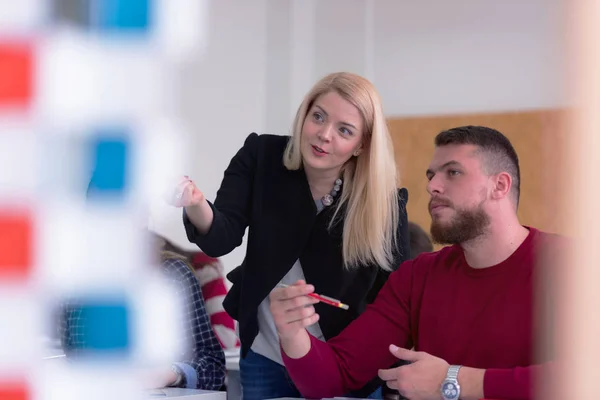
{"x": 266, "y": 342}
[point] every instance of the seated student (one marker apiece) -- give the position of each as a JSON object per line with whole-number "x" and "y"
{"x": 202, "y": 366}
{"x": 469, "y": 304}
{"x": 211, "y": 276}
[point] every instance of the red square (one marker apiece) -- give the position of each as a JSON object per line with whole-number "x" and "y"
{"x": 13, "y": 391}
{"x": 16, "y": 248}
{"x": 16, "y": 74}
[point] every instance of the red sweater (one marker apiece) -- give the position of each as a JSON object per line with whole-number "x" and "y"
{"x": 481, "y": 318}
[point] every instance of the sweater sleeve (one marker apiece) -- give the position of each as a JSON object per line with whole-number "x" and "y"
{"x": 516, "y": 383}
{"x": 232, "y": 206}
{"x": 348, "y": 361}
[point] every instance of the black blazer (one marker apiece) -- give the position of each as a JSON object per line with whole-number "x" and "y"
{"x": 276, "y": 205}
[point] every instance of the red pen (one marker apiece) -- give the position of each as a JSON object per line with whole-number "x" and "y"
{"x": 323, "y": 299}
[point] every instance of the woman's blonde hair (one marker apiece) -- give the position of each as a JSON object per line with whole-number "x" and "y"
{"x": 370, "y": 191}
{"x": 168, "y": 251}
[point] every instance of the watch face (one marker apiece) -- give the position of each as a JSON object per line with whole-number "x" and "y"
{"x": 450, "y": 391}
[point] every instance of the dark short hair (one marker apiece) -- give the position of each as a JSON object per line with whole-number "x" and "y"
{"x": 419, "y": 240}
{"x": 499, "y": 155}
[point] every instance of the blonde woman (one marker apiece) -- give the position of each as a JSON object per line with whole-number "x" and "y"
{"x": 321, "y": 206}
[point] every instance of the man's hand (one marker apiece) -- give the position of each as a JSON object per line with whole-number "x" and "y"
{"x": 420, "y": 380}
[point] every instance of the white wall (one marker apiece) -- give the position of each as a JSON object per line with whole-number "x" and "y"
{"x": 222, "y": 98}
{"x": 425, "y": 57}
{"x": 482, "y": 56}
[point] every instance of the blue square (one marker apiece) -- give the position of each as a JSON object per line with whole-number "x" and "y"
{"x": 108, "y": 327}
{"x": 99, "y": 327}
{"x": 110, "y": 158}
{"x": 121, "y": 15}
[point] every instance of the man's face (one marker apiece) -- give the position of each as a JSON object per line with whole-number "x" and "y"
{"x": 459, "y": 191}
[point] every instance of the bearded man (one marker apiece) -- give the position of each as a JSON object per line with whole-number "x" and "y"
{"x": 469, "y": 311}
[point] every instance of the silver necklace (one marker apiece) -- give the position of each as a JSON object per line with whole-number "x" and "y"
{"x": 327, "y": 200}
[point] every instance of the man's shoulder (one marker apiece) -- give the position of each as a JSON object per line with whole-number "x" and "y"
{"x": 442, "y": 256}
{"x": 416, "y": 272}
{"x": 550, "y": 250}
{"x": 425, "y": 262}
{"x": 550, "y": 236}
{"x": 549, "y": 241}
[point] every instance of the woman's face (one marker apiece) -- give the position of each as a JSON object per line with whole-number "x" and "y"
{"x": 331, "y": 134}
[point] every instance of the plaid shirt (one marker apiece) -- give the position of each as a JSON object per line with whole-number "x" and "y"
{"x": 203, "y": 364}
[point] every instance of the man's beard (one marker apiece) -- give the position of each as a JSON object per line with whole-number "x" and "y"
{"x": 465, "y": 226}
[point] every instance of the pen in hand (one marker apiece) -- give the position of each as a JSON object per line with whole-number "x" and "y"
{"x": 324, "y": 299}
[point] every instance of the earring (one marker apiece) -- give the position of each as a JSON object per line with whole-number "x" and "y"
{"x": 357, "y": 153}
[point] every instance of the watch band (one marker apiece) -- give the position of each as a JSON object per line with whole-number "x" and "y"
{"x": 450, "y": 389}
{"x": 453, "y": 372}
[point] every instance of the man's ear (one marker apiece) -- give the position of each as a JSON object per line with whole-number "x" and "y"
{"x": 502, "y": 183}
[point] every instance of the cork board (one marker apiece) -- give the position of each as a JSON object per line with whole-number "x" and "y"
{"x": 539, "y": 137}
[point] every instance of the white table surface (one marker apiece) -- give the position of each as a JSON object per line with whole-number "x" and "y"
{"x": 185, "y": 394}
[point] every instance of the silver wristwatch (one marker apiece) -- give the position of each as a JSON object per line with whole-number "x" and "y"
{"x": 450, "y": 388}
